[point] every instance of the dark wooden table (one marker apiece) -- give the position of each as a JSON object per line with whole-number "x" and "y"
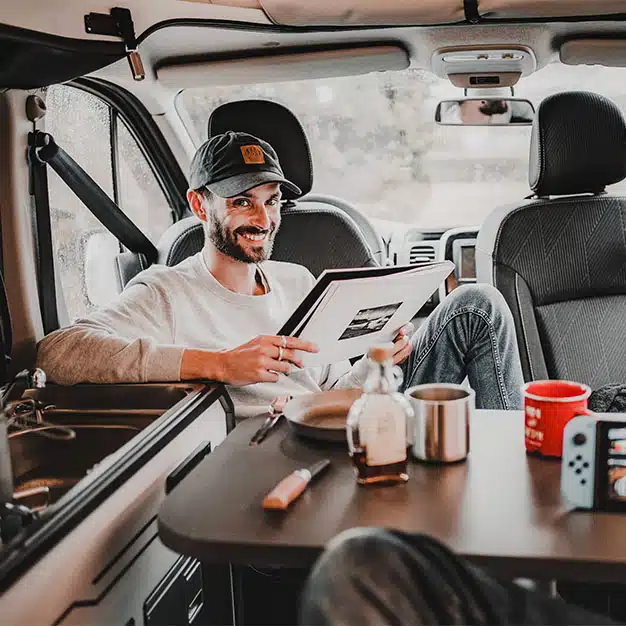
{"x": 501, "y": 508}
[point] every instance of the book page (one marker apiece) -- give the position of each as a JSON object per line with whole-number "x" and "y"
{"x": 363, "y": 312}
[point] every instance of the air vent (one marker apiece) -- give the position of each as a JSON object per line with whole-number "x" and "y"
{"x": 422, "y": 253}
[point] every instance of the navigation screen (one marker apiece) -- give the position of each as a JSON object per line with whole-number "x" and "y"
{"x": 616, "y": 461}
{"x": 468, "y": 262}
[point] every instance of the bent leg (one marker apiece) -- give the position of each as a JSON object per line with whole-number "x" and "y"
{"x": 471, "y": 333}
{"x": 377, "y": 577}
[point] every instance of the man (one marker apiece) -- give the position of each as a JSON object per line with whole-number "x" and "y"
{"x": 215, "y": 315}
{"x": 377, "y": 577}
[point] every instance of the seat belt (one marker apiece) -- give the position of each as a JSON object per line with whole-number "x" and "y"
{"x": 43, "y": 236}
{"x": 44, "y": 151}
{"x": 94, "y": 198}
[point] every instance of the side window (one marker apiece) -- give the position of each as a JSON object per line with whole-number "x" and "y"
{"x": 140, "y": 194}
{"x": 97, "y": 138}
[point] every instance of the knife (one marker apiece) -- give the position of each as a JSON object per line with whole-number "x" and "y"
{"x": 290, "y": 487}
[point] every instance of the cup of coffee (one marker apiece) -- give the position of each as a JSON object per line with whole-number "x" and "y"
{"x": 441, "y": 422}
{"x": 548, "y": 406}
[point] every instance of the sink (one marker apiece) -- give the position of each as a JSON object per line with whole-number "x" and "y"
{"x": 60, "y": 464}
{"x": 101, "y": 418}
{"x": 146, "y": 399}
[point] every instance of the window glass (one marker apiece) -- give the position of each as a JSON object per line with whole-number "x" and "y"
{"x": 375, "y": 143}
{"x": 84, "y": 250}
{"x": 80, "y": 124}
{"x": 141, "y": 196}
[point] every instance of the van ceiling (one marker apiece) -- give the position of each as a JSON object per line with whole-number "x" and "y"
{"x": 170, "y": 31}
{"x": 188, "y": 43}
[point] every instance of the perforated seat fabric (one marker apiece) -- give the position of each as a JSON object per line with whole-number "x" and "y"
{"x": 561, "y": 262}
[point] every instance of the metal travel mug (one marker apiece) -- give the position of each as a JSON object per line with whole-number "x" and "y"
{"x": 441, "y": 423}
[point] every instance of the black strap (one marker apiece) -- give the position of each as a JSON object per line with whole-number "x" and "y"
{"x": 97, "y": 201}
{"x": 43, "y": 237}
{"x": 471, "y": 11}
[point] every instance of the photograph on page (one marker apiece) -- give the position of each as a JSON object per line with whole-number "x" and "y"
{"x": 355, "y": 314}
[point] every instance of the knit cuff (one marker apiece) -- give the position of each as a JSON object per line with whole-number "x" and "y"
{"x": 163, "y": 364}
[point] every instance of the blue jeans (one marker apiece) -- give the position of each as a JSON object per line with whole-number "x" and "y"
{"x": 375, "y": 577}
{"x": 471, "y": 333}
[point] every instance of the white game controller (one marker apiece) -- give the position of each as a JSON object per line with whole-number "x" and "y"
{"x": 579, "y": 461}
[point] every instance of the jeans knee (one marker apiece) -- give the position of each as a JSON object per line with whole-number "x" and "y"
{"x": 481, "y": 296}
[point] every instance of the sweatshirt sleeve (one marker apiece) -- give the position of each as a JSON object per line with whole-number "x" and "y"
{"x": 130, "y": 341}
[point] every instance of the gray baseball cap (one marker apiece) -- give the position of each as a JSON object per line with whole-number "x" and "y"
{"x": 233, "y": 163}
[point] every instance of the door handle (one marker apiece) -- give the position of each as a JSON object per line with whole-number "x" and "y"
{"x": 176, "y": 475}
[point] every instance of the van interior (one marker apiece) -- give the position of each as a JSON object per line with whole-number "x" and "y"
{"x": 448, "y": 130}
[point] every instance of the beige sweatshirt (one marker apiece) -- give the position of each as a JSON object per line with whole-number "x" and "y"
{"x": 141, "y": 336}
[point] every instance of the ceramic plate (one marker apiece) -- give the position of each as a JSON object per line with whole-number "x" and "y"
{"x": 321, "y": 415}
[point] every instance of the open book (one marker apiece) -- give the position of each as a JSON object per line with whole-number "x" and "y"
{"x": 349, "y": 310}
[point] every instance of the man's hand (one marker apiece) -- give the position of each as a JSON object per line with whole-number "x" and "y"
{"x": 260, "y": 360}
{"x": 401, "y": 344}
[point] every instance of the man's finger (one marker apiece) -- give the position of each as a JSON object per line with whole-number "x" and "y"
{"x": 278, "y": 366}
{"x": 406, "y": 330}
{"x": 403, "y": 354}
{"x": 400, "y": 343}
{"x": 268, "y": 376}
{"x": 294, "y": 343}
{"x": 290, "y": 356}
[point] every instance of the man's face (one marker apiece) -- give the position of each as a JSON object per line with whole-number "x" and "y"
{"x": 244, "y": 227}
{"x": 481, "y": 112}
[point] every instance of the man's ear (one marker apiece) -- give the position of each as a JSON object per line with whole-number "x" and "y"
{"x": 195, "y": 200}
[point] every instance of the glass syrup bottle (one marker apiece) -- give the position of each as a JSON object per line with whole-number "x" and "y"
{"x": 378, "y": 423}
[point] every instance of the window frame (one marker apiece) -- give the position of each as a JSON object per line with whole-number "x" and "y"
{"x": 124, "y": 108}
{"x": 148, "y": 136}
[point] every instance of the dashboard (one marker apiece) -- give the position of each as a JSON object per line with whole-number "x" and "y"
{"x": 407, "y": 245}
{"x": 459, "y": 246}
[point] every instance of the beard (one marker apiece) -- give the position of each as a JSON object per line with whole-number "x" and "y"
{"x": 226, "y": 241}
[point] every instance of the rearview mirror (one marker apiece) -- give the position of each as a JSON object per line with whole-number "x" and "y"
{"x": 485, "y": 112}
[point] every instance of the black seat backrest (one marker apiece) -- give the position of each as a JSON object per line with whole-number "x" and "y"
{"x": 275, "y": 124}
{"x": 560, "y": 262}
{"x": 328, "y": 228}
{"x": 315, "y": 234}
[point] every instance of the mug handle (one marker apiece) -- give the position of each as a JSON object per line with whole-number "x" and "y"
{"x": 584, "y": 412}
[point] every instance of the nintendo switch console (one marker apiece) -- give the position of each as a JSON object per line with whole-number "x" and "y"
{"x": 593, "y": 466}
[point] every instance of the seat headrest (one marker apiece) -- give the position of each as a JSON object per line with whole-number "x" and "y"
{"x": 275, "y": 124}
{"x": 578, "y": 145}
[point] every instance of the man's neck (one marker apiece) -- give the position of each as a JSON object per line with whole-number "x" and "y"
{"x": 236, "y": 276}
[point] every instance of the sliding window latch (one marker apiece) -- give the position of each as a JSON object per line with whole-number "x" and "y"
{"x": 118, "y": 23}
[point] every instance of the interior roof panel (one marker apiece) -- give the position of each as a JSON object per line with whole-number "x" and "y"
{"x": 422, "y": 42}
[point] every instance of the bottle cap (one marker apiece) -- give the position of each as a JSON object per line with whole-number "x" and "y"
{"x": 381, "y": 352}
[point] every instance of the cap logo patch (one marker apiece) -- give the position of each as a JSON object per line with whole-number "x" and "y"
{"x": 253, "y": 155}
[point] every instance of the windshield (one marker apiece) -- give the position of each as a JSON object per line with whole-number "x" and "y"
{"x": 375, "y": 143}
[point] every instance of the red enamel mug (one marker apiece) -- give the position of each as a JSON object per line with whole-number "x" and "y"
{"x": 548, "y": 406}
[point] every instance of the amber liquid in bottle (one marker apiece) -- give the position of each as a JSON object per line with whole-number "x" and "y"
{"x": 377, "y": 425}
{"x": 381, "y": 474}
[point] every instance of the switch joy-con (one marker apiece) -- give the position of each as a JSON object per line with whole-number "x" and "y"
{"x": 593, "y": 466}
{"x": 578, "y": 461}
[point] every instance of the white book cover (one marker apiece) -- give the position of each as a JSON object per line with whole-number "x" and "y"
{"x": 354, "y": 314}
